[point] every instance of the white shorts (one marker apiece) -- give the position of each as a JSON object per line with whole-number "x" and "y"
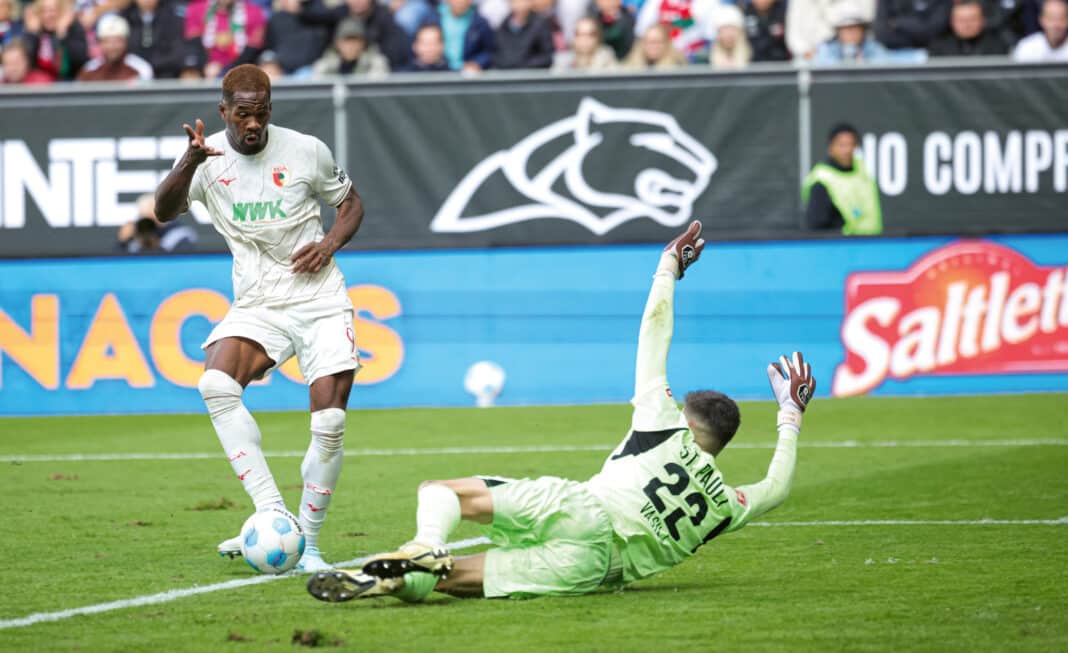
{"x": 319, "y": 333}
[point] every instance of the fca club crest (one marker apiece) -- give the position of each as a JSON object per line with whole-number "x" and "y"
{"x": 279, "y": 175}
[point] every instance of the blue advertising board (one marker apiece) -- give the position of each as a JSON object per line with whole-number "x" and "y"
{"x": 886, "y": 316}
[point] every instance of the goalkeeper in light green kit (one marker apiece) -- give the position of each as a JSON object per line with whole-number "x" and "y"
{"x": 656, "y": 500}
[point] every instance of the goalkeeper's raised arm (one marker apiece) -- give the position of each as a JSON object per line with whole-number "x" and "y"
{"x": 793, "y": 385}
{"x": 658, "y": 323}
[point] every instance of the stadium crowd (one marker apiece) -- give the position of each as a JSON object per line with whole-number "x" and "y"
{"x": 46, "y": 41}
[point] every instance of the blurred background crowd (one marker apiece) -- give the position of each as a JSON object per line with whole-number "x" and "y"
{"x": 47, "y": 41}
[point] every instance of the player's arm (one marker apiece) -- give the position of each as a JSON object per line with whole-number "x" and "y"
{"x": 652, "y": 402}
{"x": 172, "y": 196}
{"x": 334, "y": 187}
{"x": 793, "y": 385}
{"x": 313, "y": 256}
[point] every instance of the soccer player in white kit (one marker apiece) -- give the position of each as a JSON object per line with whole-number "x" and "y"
{"x": 261, "y": 185}
{"x": 658, "y": 498}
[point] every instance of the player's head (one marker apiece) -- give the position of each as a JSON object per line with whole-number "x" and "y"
{"x": 246, "y": 108}
{"x": 713, "y": 418}
{"x": 842, "y": 142}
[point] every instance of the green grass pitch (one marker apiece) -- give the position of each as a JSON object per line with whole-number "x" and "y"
{"x": 88, "y": 532}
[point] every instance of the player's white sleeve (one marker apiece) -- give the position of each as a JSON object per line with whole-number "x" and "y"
{"x": 331, "y": 182}
{"x": 654, "y": 407}
{"x": 759, "y": 498}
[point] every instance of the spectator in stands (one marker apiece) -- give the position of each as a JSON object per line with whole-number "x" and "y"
{"x": 968, "y": 35}
{"x": 765, "y": 27}
{"x": 156, "y": 36}
{"x": 589, "y": 53}
{"x": 55, "y": 39}
{"x": 382, "y": 30}
{"x": 1051, "y": 44}
{"x": 147, "y": 235}
{"x": 268, "y": 63}
{"x": 689, "y": 23}
{"x": 910, "y": 23}
{"x": 839, "y": 193}
{"x": 10, "y": 25}
{"x": 15, "y": 65}
{"x": 115, "y": 63}
{"x": 193, "y": 60}
{"x": 352, "y": 54}
{"x": 225, "y": 28}
{"x": 292, "y": 44}
{"x": 89, "y": 12}
{"x": 410, "y": 15}
{"x": 469, "y": 40}
{"x": 494, "y": 11}
{"x": 852, "y": 42}
{"x": 617, "y": 26}
{"x": 524, "y": 40}
{"x": 731, "y": 49}
{"x": 810, "y": 23}
{"x": 429, "y": 50}
{"x": 654, "y": 50}
{"x": 549, "y": 9}
{"x": 1020, "y": 17}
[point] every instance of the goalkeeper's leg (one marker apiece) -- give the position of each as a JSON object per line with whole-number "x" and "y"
{"x": 442, "y": 504}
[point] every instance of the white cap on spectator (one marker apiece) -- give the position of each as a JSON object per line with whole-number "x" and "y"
{"x": 112, "y": 25}
{"x": 846, "y": 15}
{"x": 728, "y": 15}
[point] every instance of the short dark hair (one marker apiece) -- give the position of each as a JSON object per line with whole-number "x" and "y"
{"x": 246, "y": 77}
{"x": 146, "y": 226}
{"x": 843, "y": 128}
{"x": 715, "y": 412}
{"x": 433, "y": 26}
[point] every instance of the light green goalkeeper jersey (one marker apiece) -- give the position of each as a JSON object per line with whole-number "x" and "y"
{"x": 663, "y": 493}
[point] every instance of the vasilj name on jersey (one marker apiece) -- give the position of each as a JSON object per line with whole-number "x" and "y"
{"x": 678, "y": 478}
{"x": 257, "y": 211}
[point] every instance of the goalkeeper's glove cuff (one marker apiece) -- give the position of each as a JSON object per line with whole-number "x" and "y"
{"x": 789, "y": 418}
{"x": 669, "y": 265}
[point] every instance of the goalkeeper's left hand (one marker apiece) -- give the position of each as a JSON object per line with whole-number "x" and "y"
{"x": 792, "y": 382}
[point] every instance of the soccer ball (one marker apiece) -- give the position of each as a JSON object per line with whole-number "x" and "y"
{"x": 485, "y": 380}
{"x": 272, "y": 541}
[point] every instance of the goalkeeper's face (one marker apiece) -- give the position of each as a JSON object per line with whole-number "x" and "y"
{"x": 246, "y": 117}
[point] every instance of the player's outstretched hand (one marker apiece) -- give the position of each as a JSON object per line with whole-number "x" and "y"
{"x": 198, "y": 149}
{"x": 792, "y": 382}
{"x": 687, "y": 247}
{"x": 312, "y": 257}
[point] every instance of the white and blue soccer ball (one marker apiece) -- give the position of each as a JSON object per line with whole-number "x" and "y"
{"x": 485, "y": 380}
{"x": 272, "y": 541}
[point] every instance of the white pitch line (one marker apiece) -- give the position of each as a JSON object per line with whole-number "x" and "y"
{"x": 439, "y": 451}
{"x": 1063, "y": 521}
{"x": 174, "y": 595}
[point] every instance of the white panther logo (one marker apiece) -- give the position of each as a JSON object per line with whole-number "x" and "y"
{"x": 559, "y": 187}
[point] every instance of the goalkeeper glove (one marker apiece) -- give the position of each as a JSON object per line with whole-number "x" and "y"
{"x": 793, "y": 385}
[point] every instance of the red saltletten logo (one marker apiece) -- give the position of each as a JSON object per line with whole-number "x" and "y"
{"x": 971, "y": 307}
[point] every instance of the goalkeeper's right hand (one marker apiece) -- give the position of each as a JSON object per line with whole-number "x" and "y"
{"x": 793, "y": 385}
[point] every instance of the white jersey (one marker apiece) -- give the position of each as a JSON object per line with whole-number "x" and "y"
{"x": 266, "y": 206}
{"x": 1036, "y": 48}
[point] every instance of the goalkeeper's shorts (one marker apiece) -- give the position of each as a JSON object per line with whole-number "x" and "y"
{"x": 551, "y": 536}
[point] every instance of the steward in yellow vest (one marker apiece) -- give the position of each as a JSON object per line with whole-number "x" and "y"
{"x": 839, "y": 193}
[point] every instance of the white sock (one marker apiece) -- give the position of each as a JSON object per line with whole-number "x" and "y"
{"x": 320, "y": 470}
{"x": 240, "y": 437}
{"x": 437, "y": 515}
